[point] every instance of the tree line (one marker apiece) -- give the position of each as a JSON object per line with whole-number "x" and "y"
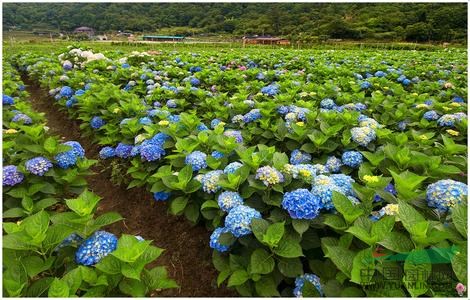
{"x": 296, "y": 21}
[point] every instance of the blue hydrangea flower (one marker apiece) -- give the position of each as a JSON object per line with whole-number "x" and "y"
{"x": 232, "y": 167}
{"x": 269, "y": 176}
{"x": 202, "y": 127}
{"x": 67, "y": 65}
{"x": 174, "y": 118}
{"x": 95, "y": 248}
{"x": 195, "y": 69}
{"x": 228, "y": 200}
{"x": 333, "y": 164}
{"x": 125, "y": 66}
{"x": 406, "y": 82}
{"x": 72, "y": 240}
{"x": 458, "y": 99}
{"x": 401, "y": 78}
{"x": 194, "y": 81}
{"x": 71, "y": 102}
{"x": 171, "y": 103}
{"x": 431, "y": 115}
{"x": 304, "y": 171}
{"x": 217, "y": 154}
{"x": 446, "y": 193}
{"x": 7, "y": 100}
{"x": 151, "y": 152}
{"x": 270, "y": 90}
{"x": 447, "y": 120}
{"x": 402, "y": 125}
{"x": 352, "y": 159}
{"x": 325, "y": 194}
{"x": 214, "y": 240}
{"x": 66, "y": 159}
{"x": 301, "y": 204}
{"x": 252, "y": 115}
{"x": 238, "y": 220}
{"x": 97, "y": 122}
{"x": 22, "y": 118}
{"x": 197, "y": 160}
{"x": 236, "y": 134}
{"x": 300, "y": 282}
{"x": 107, "y": 152}
{"x": 135, "y": 150}
{"x": 363, "y": 135}
{"x": 299, "y": 157}
{"x": 38, "y": 165}
{"x": 66, "y": 91}
{"x": 390, "y": 188}
{"x": 214, "y": 123}
{"x": 210, "y": 181}
{"x": 11, "y": 175}
{"x": 123, "y": 150}
{"x": 380, "y": 74}
{"x": 161, "y": 196}
{"x": 344, "y": 182}
{"x": 366, "y": 85}
{"x": 145, "y": 121}
{"x": 368, "y": 122}
{"x": 327, "y": 103}
{"x": 283, "y": 109}
{"x": 77, "y": 149}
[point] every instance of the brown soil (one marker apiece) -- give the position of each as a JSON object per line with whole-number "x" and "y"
{"x": 187, "y": 255}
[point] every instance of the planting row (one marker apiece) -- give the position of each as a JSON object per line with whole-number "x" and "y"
{"x": 311, "y": 168}
{"x": 53, "y": 244}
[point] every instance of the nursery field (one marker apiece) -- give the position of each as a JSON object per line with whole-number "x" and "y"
{"x": 217, "y": 171}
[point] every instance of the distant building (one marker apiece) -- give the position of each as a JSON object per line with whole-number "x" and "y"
{"x": 162, "y": 38}
{"x": 265, "y": 40}
{"x": 85, "y": 30}
{"x": 102, "y": 37}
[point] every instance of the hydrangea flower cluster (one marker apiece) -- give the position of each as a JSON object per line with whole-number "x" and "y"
{"x": 352, "y": 159}
{"x": 123, "y": 150}
{"x": 95, "y": 248}
{"x": 300, "y": 282}
{"x": 333, "y": 164}
{"x": 269, "y": 175}
{"x": 446, "y": 193}
{"x": 368, "y": 122}
{"x": 97, "y": 122}
{"x": 210, "y": 181}
{"x": 11, "y": 176}
{"x": 38, "y": 165}
{"x": 301, "y": 204}
{"x": 77, "y": 149}
{"x": 217, "y": 154}
{"x": 232, "y": 167}
{"x": 214, "y": 239}
{"x": 239, "y": 219}
{"x": 69, "y": 158}
{"x": 197, "y": 160}
{"x": 270, "y": 90}
{"x": 251, "y": 116}
{"x": 431, "y": 115}
{"x": 72, "y": 240}
{"x": 448, "y": 120}
{"x": 328, "y": 103}
{"x": 236, "y": 134}
{"x": 150, "y": 150}
{"x": 7, "y": 100}
{"x": 161, "y": 196}
{"x": 66, "y": 92}
{"x": 107, "y": 152}
{"x": 299, "y": 157}
{"x": 363, "y": 135}
{"x": 215, "y": 122}
{"x": 171, "y": 103}
{"x": 22, "y": 118}
{"x": 228, "y": 200}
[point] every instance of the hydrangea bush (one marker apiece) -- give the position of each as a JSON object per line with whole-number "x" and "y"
{"x": 308, "y": 174}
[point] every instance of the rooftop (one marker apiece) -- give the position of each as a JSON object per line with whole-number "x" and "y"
{"x": 164, "y": 37}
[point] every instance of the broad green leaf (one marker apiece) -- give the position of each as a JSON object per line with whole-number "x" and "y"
{"x": 266, "y": 287}
{"x": 58, "y": 289}
{"x": 300, "y": 225}
{"x": 238, "y": 278}
{"x": 349, "y": 211}
{"x": 460, "y": 218}
{"x": 261, "y": 262}
{"x": 84, "y": 204}
{"x": 363, "y": 267}
{"x": 290, "y": 267}
{"x": 397, "y": 242}
{"x": 274, "y": 234}
{"x": 178, "y": 205}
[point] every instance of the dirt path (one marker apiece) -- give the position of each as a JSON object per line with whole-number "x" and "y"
{"x": 187, "y": 254}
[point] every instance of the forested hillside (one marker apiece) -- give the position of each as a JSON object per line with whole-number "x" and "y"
{"x": 388, "y": 21}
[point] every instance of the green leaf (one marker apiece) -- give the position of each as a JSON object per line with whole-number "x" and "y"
{"x": 459, "y": 264}
{"x": 132, "y": 288}
{"x": 363, "y": 267}
{"x": 382, "y": 227}
{"x": 259, "y": 228}
{"x": 238, "y": 278}
{"x": 406, "y": 183}
{"x": 191, "y": 212}
{"x": 266, "y": 287}
{"x": 107, "y": 219}
{"x": 185, "y": 175}
{"x": 36, "y": 226}
{"x": 73, "y": 279}
{"x": 15, "y": 212}
{"x": 35, "y": 265}
{"x": 109, "y": 265}
{"x": 84, "y": 204}
{"x": 157, "y": 278}
{"x": 50, "y": 145}
{"x": 261, "y": 262}
{"x": 289, "y": 248}
{"x": 397, "y": 242}
{"x": 129, "y": 249}
{"x": 290, "y": 267}
{"x": 44, "y": 203}
{"x": 460, "y": 217}
{"x": 309, "y": 290}
{"x": 417, "y": 269}
{"x": 178, "y": 205}
{"x": 409, "y": 216}
{"x": 352, "y": 292}
{"x": 223, "y": 276}
{"x": 129, "y": 271}
{"x": 274, "y": 234}
{"x": 58, "y": 289}
{"x": 279, "y": 160}
{"x": 39, "y": 287}
{"x": 300, "y": 225}
{"x": 349, "y": 211}
{"x": 341, "y": 257}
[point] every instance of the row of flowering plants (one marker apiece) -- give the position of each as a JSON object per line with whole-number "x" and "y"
{"x": 319, "y": 173}
{"x": 54, "y": 246}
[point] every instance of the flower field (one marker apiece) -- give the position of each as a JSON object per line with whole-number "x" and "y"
{"x": 317, "y": 173}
